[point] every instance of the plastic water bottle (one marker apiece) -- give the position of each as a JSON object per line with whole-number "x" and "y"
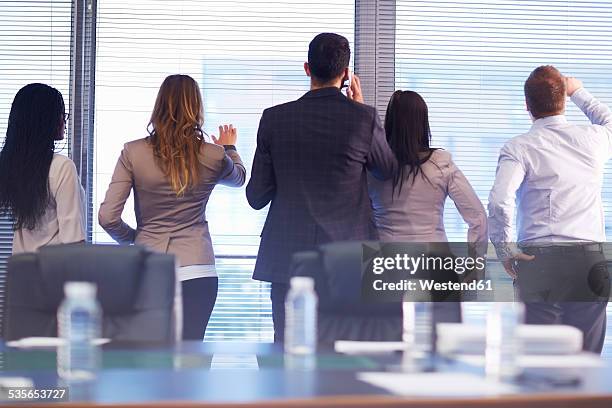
{"x": 418, "y": 328}
{"x": 78, "y": 320}
{"x": 503, "y": 343}
{"x": 301, "y": 317}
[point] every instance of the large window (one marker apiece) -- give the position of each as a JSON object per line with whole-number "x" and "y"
{"x": 469, "y": 61}
{"x": 246, "y": 56}
{"x": 34, "y": 47}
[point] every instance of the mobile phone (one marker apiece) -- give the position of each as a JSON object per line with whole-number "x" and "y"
{"x": 347, "y": 84}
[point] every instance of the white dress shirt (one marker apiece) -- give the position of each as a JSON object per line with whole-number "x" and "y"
{"x": 553, "y": 174}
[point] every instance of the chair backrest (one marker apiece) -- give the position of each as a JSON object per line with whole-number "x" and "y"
{"x": 337, "y": 269}
{"x": 136, "y": 290}
{"x": 343, "y": 315}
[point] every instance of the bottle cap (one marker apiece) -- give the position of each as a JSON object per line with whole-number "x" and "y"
{"x": 80, "y": 289}
{"x": 302, "y": 282}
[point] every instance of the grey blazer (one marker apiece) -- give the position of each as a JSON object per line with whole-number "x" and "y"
{"x": 167, "y": 223}
{"x": 417, "y": 213}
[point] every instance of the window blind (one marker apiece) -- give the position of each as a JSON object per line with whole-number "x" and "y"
{"x": 35, "y": 40}
{"x": 246, "y": 56}
{"x": 469, "y": 60}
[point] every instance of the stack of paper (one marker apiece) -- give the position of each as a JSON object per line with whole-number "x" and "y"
{"x": 45, "y": 342}
{"x": 368, "y": 347}
{"x": 455, "y": 338}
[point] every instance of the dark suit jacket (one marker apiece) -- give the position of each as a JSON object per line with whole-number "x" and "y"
{"x": 311, "y": 163}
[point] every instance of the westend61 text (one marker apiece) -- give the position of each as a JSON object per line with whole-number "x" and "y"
{"x": 429, "y": 285}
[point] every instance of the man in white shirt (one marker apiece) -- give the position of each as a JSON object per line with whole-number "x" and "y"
{"x": 553, "y": 174}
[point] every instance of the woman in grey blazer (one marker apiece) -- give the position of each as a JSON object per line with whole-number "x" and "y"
{"x": 410, "y": 206}
{"x": 173, "y": 172}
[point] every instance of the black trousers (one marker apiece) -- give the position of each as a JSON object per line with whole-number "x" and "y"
{"x": 278, "y": 294}
{"x": 566, "y": 286}
{"x": 199, "y": 297}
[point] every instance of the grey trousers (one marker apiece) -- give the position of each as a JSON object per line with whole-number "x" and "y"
{"x": 569, "y": 286}
{"x": 588, "y": 317}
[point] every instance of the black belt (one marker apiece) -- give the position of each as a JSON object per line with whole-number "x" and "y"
{"x": 562, "y": 249}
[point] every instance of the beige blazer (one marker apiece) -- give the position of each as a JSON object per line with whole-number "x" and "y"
{"x": 167, "y": 223}
{"x": 64, "y": 219}
{"x": 417, "y": 213}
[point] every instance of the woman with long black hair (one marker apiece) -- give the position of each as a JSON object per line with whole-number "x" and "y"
{"x": 410, "y": 206}
{"x": 39, "y": 188}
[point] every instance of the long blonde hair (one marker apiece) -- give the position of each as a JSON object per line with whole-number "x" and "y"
{"x": 175, "y": 131}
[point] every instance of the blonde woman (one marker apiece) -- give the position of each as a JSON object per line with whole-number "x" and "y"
{"x": 173, "y": 172}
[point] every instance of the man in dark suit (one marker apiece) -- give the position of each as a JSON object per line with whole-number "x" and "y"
{"x": 311, "y": 162}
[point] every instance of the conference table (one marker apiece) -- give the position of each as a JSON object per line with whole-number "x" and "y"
{"x": 230, "y": 374}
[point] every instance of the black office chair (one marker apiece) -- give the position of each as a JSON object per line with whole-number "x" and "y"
{"x": 135, "y": 289}
{"x": 342, "y": 313}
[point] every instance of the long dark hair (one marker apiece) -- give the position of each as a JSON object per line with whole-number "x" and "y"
{"x": 408, "y": 135}
{"x": 35, "y": 122}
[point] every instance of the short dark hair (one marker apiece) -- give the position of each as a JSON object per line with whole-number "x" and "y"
{"x": 328, "y": 56}
{"x": 545, "y": 92}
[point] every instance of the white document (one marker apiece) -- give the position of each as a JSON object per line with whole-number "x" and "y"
{"x": 45, "y": 342}
{"x": 581, "y": 360}
{"x": 436, "y": 384}
{"x": 368, "y": 347}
